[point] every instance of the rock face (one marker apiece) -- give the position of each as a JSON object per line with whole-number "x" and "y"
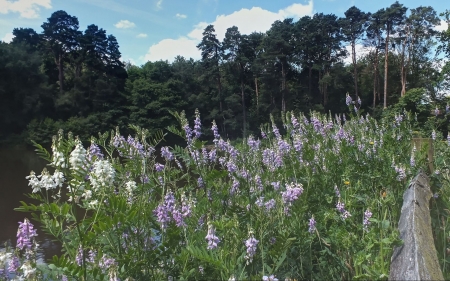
{"x": 416, "y": 259}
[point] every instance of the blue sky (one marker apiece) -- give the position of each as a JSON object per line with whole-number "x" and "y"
{"x": 161, "y": 29}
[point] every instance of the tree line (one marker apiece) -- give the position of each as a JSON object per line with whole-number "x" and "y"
{"x": 64, "y": 77}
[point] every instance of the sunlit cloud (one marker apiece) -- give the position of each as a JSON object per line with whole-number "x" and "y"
{"x": 180, "y": 16}
{"x": 159, "y": 4}
{"x": 125, "y": 24}
{"x": 251, "y": 20}
{"x": 8, "y": 37}
{"x": 443, "y": 26}
{"x": 141, "y": 35}
{"x": 26, "y": 8}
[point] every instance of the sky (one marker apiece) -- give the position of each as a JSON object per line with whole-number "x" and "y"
{"x": 152, "y": 30}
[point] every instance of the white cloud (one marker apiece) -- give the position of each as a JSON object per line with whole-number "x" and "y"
{"x": 247, "y": 20}
{"x": 141, "y": 35}
{"x": 180, "y": 16}
{"x": 443, "y": 26}
{"x": 125, "y": 24}
{"x": 159, "y": 4}
{"x": 27, "y": 8}
{"x": 8, "y": 37}
{"x": 360, "y": 52}
{"x": 168, "y": 49}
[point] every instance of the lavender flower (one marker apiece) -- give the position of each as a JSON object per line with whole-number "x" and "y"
{"x": 106, "y": 262}
{"x": 276, "y": 185}
{"x": 178, "y": 217}
{"x": 312, "y": 225}
{"x": 94, "y": 150}
{"x": 79, "y": 256}
{"x": 251, "y": 243}
{"x": 25, "y": 234}
{"x": 348, "y": 100}
{"x": 200, "y": 182}
{"x": 366, "y": 222}
{"x": 293, "y": 191}
{"x": 211, "y": 237}
{"x": 159, "y": 167}
{"x": 197, "y": 124}
{"x": 340, "y": 207}
{"x": 270, "y": 278}
{"x": 253, "y": 144}
{"x": 215, "y": 132}
{"x": 166, "y": 153}
{"x": 14, "y": 264}
{"x": 270, "y": 204}
{"x": 235, "y": 186}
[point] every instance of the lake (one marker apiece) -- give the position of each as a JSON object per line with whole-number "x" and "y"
{"x": 16, "y": 162}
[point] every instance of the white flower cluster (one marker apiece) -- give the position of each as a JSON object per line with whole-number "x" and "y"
{"x": 77, "y": 157}
{"x": 45, "y": 180}
{"x": 130, "y": 186}
{"x": 102, "y": 174}
{"x": 58, "y": 158}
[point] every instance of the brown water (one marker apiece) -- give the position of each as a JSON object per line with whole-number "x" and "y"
{"x": 15, "y": 164}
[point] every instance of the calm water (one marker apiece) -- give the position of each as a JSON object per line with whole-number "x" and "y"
{"x": 15, "y": 164}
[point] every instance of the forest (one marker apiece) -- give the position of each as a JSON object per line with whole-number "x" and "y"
{"x": 62, "y": 77}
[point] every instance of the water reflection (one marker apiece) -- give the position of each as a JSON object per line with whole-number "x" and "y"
{"x": 16, "y": 162}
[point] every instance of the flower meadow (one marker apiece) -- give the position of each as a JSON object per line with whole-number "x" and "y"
{"x": 314, "y": 198}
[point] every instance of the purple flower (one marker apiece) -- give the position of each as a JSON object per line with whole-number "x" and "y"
{"x": 263, "y": 135}
{"x": 25, "y": 234}
{"x": 162, "y": 216}
{"x": 215, "y": 132}
{"x": 235, "y": 186}
{"x": 94, "y": 150}
{"x": 367, "y": 216}
{"x": 197, "y": 124}
{"x": 336, "y": 190}
{"x": 251, "y": 243}
{"x": 14, "y": 264}
{"x": 79, "y": 257}
{"x": 178, "y": 218}
{"x": 200, "y": 182}
{"x": 436, "y": 111}
{"x": 159, "y": 167}
{"x": 312, "y": 225}
{"x": 211, "y": 237}
{"x": 166, "y": 153}
{"x": 270, "y": 204}
{"x": 258, "y": 183}
{"x": 348, "y": 100}
{"x": 340, "y": 207}
{"x": 293, "y": 191}
{"x": 294, "y": 122}
{"x": 276, "y": 185}
{"x": 106, "y": 263}
{"x": 212, "y": 155}
{"x": 253, "y": 144}
{"x": 91, "y": 256}
{"x": 260, "y": 201}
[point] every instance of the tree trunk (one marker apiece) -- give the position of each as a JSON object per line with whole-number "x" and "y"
{"x": 243, "y": 108}
{"x": 59, "y": 63}
{"x": 283, "y": 87}
{"x": 375, "y": 78}
{"x": 310, "y": 80}
{"x": 386, "y": 56}
{"x": 257, "y": 96}
{"x": 355, "y": 70}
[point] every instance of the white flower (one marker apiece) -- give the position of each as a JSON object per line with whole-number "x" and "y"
{"x": 58, "y": 178}
{"x": 27, "y": 269}
{"x": 102, "y": 174}
{"x": 93, "y": 203}
{"x": 130, "y": 186}
{"x": 58, "y": 158}
{"x": 87, "y": 194}
{"x": 77, "y": 158}
{"x": 46, "y": 180}
{"x": 34, "y": 182}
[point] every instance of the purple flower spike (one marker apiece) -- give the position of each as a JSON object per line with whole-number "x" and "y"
{"x": 211, "y": 237}
{"x": 25, "y": 234}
